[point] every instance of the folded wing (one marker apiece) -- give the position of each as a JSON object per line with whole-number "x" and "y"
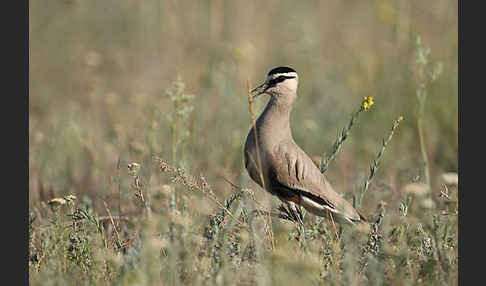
{"x": 295, "y": 177}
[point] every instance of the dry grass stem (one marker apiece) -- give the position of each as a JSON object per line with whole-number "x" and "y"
{"x": 112, "y": 222}
{"x": 182, "y": 177}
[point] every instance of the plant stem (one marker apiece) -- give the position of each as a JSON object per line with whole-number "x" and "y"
{"x": 376, "y": 163}
{"x": 338, "y": 143}
{"x": 423, "y": 149}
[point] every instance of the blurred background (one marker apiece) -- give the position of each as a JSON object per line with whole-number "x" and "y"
{"x": 119, "y": 82}
{"x": 99, "y": 72}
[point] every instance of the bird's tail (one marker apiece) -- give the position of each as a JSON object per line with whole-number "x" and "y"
{"x": 361, "y": 220}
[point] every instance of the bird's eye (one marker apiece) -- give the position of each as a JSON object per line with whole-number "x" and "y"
{"x": 278, "y": 79}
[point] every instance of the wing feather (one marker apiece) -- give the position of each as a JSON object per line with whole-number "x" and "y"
{"x": 294, "y": 173}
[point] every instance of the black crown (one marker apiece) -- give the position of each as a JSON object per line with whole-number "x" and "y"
{"x": 281, "y": 70}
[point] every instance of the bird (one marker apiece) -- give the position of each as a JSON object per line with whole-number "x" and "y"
{"x": 275, "y": 162}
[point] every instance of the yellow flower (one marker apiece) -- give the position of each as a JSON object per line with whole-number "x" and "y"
{"x": 367, "y": 102}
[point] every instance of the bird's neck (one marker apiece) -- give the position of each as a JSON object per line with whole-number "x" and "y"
{"x": 279, "y": 107}
{"x": 275, "y": 118}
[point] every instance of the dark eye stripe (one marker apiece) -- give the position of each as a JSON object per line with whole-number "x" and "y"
{"x": 281, "y": 78}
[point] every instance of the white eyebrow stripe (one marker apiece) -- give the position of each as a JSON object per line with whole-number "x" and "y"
{"x": 276, "y": 75}
{"x": 286, "y": 74}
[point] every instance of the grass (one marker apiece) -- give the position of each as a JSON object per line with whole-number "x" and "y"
{"x": 426, "y": 77}
{"x": 72, "y": 241}
{"x": 357, "y": 199}
{"x": 73, "y": 244}
{"x": 154, "y": 162}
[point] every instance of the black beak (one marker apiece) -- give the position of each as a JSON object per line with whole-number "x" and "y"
{"x": 259, "y": 90}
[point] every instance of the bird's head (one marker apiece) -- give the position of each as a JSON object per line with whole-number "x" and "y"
{"x": 281, "y": 84}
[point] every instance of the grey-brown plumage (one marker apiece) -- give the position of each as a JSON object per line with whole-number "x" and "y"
{"x": 279, "y": 165}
